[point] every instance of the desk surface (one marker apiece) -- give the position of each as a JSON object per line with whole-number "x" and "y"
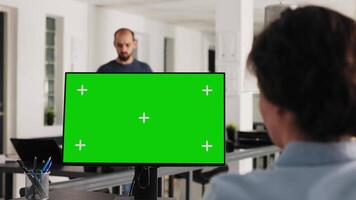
{"x": 118, "y": 178}
{"x": 68, "y": 171}
{"x": 124, "y": 177}
{"x": 64, "y": 194}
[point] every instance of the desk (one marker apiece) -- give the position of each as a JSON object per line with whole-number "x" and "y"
{"x": 64, "y": 194}
{"x": 61, "y": 194}
{"x": 124, "y": 177}
{"x": 12, "y": 167}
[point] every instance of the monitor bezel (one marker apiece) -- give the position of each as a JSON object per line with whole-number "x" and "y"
{"x": 138, "y": 163}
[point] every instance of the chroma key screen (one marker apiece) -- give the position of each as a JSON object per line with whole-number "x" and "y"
{"x": 136, "y": 118}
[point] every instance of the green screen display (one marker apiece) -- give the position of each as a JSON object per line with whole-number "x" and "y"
{"x": 156, "y": 118}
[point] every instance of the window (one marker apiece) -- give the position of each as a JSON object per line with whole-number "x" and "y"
{"x": 53, "y": 71}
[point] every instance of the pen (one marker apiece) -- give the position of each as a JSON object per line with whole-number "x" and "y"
{"x": 48, "y": 167}
{"x": 34, "y": 163}
{"x": 46, "y": 164}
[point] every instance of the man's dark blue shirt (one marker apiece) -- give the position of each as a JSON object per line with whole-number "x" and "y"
{"x": 135, "y": 66}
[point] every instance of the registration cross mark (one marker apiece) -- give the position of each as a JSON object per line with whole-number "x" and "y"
{"x": 207, "y": 145}
{"x": 207, "y": 90}
{"x": 144, "y": 117}
{"x": 82, "y": 90}
{"x": 80, "y": 145}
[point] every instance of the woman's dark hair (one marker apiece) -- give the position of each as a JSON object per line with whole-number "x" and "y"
{"x": 305, "y": 62}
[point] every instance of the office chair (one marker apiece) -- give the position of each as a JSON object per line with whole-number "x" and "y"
{"x": 204, "y": 177}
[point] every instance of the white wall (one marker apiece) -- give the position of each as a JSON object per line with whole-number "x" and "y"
{"x": 88, "y": 31}
{"x": 188, "y": 43}
{"x": 88, "y": 35}
{"x": 87, "y": 44}
{"x": 30, "y": 59}
{"x": 188, "y": 52}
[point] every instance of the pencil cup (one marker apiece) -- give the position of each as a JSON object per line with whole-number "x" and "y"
{"x": 37, "y": 186}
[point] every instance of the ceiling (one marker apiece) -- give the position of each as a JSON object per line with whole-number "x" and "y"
{"x": 200, "y": 14}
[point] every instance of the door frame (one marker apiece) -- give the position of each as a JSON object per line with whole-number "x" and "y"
{"x": 10, "y": 66}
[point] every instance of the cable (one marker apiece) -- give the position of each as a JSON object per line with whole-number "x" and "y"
{"x": 145, "y": 185}
{"x": 133, "y": 184}
{"x": 142, "y": 179}
{"x": 137, "y": 180}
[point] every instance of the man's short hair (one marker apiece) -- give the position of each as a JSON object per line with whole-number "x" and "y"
{"x": 305, "y": 62}
{"x": 125, "y": 30}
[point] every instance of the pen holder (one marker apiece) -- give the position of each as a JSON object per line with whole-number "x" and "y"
{"x": 37, "y": 186}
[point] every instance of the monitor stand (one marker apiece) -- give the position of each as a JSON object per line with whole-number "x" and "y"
{"x": 145, "y": 183}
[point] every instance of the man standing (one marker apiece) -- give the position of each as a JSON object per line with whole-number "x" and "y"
{"x": 125, "y": 44}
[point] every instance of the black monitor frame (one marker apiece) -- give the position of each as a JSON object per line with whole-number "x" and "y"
{"x": 150, "y": 175}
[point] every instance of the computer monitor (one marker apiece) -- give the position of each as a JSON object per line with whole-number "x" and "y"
{"x": 144, "y": 119}
{"x": 42, "y": 148}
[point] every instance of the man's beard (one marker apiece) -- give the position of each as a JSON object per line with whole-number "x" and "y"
{"x": 123, "y": 57}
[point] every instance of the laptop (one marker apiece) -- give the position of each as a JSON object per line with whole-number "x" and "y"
{"x": 27, "y": 149}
